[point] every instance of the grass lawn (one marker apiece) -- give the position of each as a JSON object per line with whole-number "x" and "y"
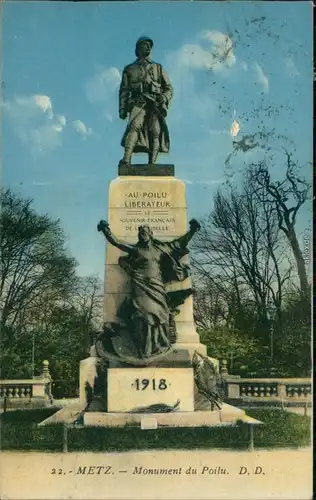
{"x": 19, "y": 431}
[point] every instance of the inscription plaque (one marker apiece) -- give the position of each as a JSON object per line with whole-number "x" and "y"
{"x": 132, "y": 389}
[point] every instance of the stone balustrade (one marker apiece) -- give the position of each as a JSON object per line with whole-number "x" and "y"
{"x": 24, "y": 392}
{"x": 16, "y": 389}
{"x": 268, "y": 389}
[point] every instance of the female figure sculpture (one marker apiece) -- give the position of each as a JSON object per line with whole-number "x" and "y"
{"x": 151, "y": 264}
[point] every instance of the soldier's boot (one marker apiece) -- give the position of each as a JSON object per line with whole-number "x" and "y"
{"x": 130, "y": 142}
{"x": 126, "y": 160}
{"x": 127, "y": 155}
{"x": 152, "y": 156}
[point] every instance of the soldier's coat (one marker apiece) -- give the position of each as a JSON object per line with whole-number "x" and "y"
{"x": 142, "y": 76}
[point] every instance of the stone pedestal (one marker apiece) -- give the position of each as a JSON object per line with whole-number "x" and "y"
{"x": 146, "y": 195}
{"x": 160, "y": 202}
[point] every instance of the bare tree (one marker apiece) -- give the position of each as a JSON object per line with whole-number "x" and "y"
{"x": 240, "y": 249}
{"x": 286, "y": 197}
{"x": 210, "y": 308}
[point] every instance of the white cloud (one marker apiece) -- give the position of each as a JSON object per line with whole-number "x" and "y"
{"x": 32, "y": 105}
{"x": 44, "y": 103}
{"x": 261, "y": 77}
{"x": 212, "y": 51}
{"x": 217, "y": 55}
{"x": 244, "y": 65}
{"x": 44, "y": 138}
{"x": 82, "y": 129}
{"x": 57, "y": 127}
{"x": 222, "y": 47}
{"x": 187, "y": 100}
{"x": 33, "y": 121}
{"x": 103, "y": 84}
{"x": 291, "y": 67}
{"x": 61, "y": 119}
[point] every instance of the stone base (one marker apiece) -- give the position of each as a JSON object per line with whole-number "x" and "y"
{"x": 176, "y": 367}
{"x": 228, "y": 415}
{"x": 146, "y": 169}
{"x": 75, "y": 414}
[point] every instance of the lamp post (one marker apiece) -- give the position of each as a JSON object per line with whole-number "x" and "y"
{"x": 270, "y": 317}
{"x": 33, "y": 351}
{"x": 271, "y": 341}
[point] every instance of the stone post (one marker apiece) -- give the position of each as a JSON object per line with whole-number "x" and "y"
{"x": 233, "y": 390}
{"x": 47, "y": 375}
{"x": 282, "y": 391}
{"x": 223, "y": 368}
{"x": 45, "y": 370}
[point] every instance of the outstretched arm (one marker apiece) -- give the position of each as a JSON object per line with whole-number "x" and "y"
{"x": 184, "y": 240}
{"x": 104, "y": 227}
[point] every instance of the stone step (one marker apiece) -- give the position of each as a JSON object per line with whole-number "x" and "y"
{"x": 228, "y": 415}
{"x": 67, "y": 415}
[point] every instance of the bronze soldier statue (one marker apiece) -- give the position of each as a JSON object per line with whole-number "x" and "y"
{"x": 144, "y": 97}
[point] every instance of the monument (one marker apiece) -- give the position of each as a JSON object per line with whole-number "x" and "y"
{"x": 146, "y": 351}
{"x": 148, "y": 358}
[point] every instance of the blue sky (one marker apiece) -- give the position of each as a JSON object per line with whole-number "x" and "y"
{"x": 249, "y": 62}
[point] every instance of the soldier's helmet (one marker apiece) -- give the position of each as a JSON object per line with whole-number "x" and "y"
{"x": 143, "y": 39}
